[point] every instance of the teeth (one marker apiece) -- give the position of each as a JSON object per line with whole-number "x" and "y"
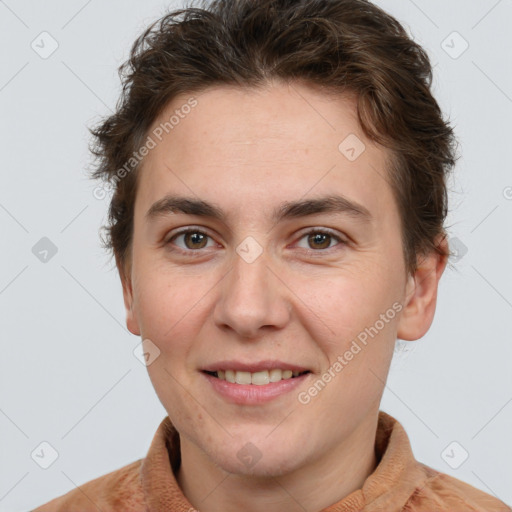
{"x": 243, "y": 377}
{"x": 260, "y": 378}
{"x": 256, "y": 378}
{"x": 276, "y": 375}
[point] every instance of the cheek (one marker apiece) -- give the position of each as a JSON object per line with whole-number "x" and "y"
{"x": 359, "y": 353}
{"x": 164, "y": 301}
{"x": 344, "y": 304}
{"x": 167, "y": 308}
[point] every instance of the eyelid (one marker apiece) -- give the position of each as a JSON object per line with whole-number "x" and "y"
{"x": 184, "y": 231}
{"x": 320, "y": 229}
{"x": 327, "y": 231}
{"x": 187, "y": 229}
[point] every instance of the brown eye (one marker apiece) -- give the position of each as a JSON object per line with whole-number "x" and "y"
{"x": 319, "y": 240}
{"x": 193, "y": 240}
{"x": 196, "y": 239}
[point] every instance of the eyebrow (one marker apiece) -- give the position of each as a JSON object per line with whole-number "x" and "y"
{"x": 337, "y": 204}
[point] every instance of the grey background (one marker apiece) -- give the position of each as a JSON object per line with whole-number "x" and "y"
{"x": 68, "y": 375}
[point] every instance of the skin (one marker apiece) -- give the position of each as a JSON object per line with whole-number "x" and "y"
{"x": 247, "y": 151}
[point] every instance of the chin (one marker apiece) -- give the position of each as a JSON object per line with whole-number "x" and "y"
{"x": 264, "y": 469}
{"x": 256, "y": 459}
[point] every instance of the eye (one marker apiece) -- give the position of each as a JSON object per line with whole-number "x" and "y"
{"x": 320, "y": 240}
{"x": 193, "y": 239}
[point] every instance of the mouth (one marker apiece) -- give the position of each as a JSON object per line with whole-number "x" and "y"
{"x": 256, "y": 382}
{"x": 259, "y": 378}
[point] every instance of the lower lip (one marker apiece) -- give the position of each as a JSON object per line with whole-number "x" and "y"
{"x": 252, "y": 394}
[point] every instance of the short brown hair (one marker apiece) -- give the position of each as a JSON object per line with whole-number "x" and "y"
{"x": 340, "y": 45}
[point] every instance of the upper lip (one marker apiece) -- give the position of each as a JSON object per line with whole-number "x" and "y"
{"x": 255, "y": 366}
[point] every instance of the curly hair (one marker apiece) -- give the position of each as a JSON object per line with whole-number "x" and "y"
{"x": 343, "y": 46}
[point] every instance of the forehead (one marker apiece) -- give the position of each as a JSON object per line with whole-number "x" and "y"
{"x": 281, "y": 142}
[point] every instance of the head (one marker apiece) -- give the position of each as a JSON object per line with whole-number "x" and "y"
{"x": 303, "y": 149}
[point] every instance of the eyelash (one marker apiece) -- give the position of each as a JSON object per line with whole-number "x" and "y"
{"x": 314, "y": 231}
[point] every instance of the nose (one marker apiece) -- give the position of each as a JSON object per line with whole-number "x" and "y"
{"x": 252, "y": 299}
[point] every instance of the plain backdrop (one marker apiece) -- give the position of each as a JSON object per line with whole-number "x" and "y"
{"x": 68, "y": 375}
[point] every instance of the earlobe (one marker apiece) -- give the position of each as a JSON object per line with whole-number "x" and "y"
{"x": 131, "y": 319}
{"x": 421, "y": 296}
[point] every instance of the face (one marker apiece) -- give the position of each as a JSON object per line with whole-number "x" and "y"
{"x": 260, "y": 284}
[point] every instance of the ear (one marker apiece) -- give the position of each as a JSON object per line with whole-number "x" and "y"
{"x": 126, "y": 280}
{"x": 421, "y": 294}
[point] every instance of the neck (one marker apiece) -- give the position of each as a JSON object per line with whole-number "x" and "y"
{"x": 313, "y": 486}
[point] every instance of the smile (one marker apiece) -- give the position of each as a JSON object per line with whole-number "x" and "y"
{"x": 260, "y": 378}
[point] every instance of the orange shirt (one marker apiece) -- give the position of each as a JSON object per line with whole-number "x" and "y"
{"x": 398, "y": 483}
